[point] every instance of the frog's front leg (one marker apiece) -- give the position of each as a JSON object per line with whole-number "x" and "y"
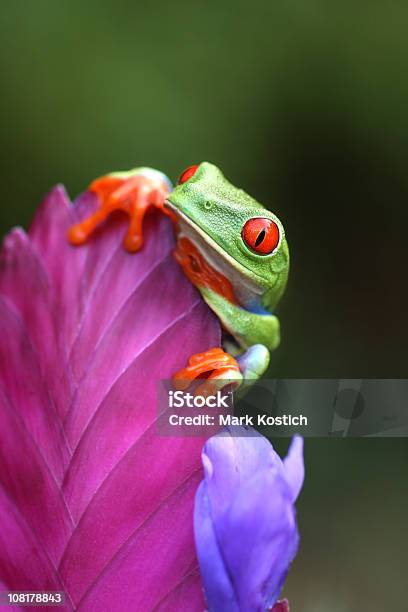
{"x": 132, "y": 192}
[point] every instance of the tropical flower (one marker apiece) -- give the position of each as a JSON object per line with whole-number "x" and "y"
{"x": 245, "y": 527}
{"x": 92, "y": 501}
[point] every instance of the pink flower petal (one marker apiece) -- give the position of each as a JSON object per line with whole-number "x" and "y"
{"x": 138, "y": 576}
{"x": 92, "y": 500}
{"x": 23, "y": 560}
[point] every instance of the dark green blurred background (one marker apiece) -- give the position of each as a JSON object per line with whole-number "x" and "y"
{"x": 303, "y": 104}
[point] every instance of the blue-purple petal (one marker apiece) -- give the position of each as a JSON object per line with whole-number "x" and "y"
{"x": 229, "y": 460}
{"x": 218, "y": 588}
{"x": 294, "y": 466}
{"x": 245, "y": 525}
{"x": 258, "y": 538}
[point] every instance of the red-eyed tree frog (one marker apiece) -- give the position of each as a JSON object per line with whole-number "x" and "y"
{"x": 230, "y": 247}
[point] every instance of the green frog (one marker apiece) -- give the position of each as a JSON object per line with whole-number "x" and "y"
{"x": 230, "y": 247}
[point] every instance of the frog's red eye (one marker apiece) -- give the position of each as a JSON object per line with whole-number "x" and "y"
{"x": 187, "y": 174}
{"x": 261, "y": 235}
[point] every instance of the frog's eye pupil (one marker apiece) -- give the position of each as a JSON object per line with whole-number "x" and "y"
{"x": 187, "y": 174}
{"x": 261, "y": 235}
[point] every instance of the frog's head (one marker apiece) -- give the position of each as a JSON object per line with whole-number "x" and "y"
{"x": 237, "y": 234}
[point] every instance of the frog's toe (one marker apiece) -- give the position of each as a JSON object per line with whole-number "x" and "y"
{"x": 77, "y": 235}
{"x": 133, "y": 242}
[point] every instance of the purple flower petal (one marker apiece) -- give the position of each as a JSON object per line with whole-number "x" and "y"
{"x": 92, "y": 501}
{"x": 294, "y": 466}
{"x": 245, "y": 527}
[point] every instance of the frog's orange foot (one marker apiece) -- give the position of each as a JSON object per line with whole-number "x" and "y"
{"x": 132, "y": 193}
{"x": 219, "y": 367}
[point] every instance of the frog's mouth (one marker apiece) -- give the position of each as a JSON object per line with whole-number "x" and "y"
{"x": 248, "y": 286}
